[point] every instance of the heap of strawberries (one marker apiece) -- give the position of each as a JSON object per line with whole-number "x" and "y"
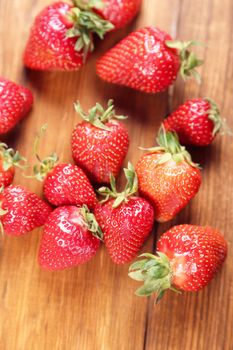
{"x": 76, "y": 219}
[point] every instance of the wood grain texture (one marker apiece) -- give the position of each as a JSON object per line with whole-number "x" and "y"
{"x": 93, "y": 307}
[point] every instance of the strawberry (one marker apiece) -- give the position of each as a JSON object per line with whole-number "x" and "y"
{"x": 168, "y": 177}
{"x": 9, "y": 159}
{"x": 100, "y": 143}
{"x": 15, "y": 102}
{"x": 187, "y": 258}
{"x": 120, "y": 13}
{"x": 61, "y": 37}
{"x": 71, "y": 237}
{"x": 63, "y": 184}
{"x": 21, "y": 210}
{"x": 148, "y": 60}
{"x": 197, "y": 122}
{"x": 125, "y": 219}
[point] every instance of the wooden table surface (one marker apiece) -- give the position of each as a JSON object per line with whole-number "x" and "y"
{"x": 93, "y": 307}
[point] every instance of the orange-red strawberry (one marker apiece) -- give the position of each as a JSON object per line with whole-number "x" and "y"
{"x": 61, "y": 37}
{"x": 197, "y": 122}
{"x": 63, "y": 183}
{"x": 148, "y": 60}
{"x": 21, "y": 210}
{"x": 125, "y": 219}
{"x": 188, "y": 257}
{"x": 9, "y": 159}
{"x": 120, "y": 13}
{"x": 15, "y": 102}
{"x": 168, "y": 177}
{"x": 71, "y": 237}
{"x": 100, "y": 143}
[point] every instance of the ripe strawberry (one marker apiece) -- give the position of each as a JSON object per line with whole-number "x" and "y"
{"x": 168, "y": 177}
{"x": 9, "y": 159}
{"x": 148, "y": 60}
{"x": 120, "y": 13}
{"x": 100, "y": 143}
{"x": 126, "y": 220}
{"x": 196, "y": 122}
{"x": 21, "y": 210}
{"x": 63, "y": 184}
{"x": 15, "y": 103}
{"x": 71, "y": 237}
{"x": 61, "y": 37}
{"x": 188, "y": 257}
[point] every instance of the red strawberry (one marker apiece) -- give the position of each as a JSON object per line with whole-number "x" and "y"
{"x": 168, "y": 177}
{"x": 9, "y": 159}
{"x": 15, "y": 103}
{"x": 70, "y": 238}
{"x": 63, "y": 184}
{"x": 120, "y": 13}
{"x": 67, "y": 184}
{"x": 187, "y": 258}
{"x": 21, "y": 210}
{"x": 196, "y": 122}
{"x": 62, "y": 36}
{"x": 126, "y": 220}
{"x": 148, "y": 60}
{"x": 100, "y": 143}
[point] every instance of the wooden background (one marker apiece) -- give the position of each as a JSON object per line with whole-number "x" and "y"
{"x": 93, "y": 307}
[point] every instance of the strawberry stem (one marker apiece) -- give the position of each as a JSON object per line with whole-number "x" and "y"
{"x": 189, "y": 60}
{"x": 220, "y": 124}
{"x": 130, "y": 188}
{"x": 171, "y": 148}
{"x": 156, "y": 274}
{"x": 11, "y": 158}
{"x": 91, "y": 222}
{"x": 86, "y": 22}
{"x": 45, "y": 165}
{"x": 89, "y": 5}
{"x": 98, "y": 116}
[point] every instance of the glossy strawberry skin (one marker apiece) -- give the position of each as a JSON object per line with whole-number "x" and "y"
{"x": 195, "y": 254}
{"x": 66, "y": 241}
{"x": 125, "y": 228}
{"x": 25, "y": 210}
{"x": 6, "y": 176}
{"x": 169, "y": 186}
{"x": 48, "y": 48}
{"x": 67, "y": 184}
{"x": 191, "y": 122}
{"x": 120, "y": 13}
{"x": 141, "y": 61}
{"x": 100, "y": 152}
{"x": 15, "y": 103}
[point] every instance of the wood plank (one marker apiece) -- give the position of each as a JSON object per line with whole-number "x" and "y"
{"x": 203, "y": 321}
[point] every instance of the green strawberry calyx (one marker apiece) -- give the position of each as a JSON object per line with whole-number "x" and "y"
{"x": 130, "y": 189}
{"x": 98, "y": 116}
{"x": 11, "y": 158}
{"x": 86, "y": 22}
{"x": 155, "y": 272}
{"x": 220, "y": 124}
{"x": 44, "y": 166}
{"x": 170, "y": 149}
{"x": 91, "y": 222}
{"x": 189, "y": 60}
